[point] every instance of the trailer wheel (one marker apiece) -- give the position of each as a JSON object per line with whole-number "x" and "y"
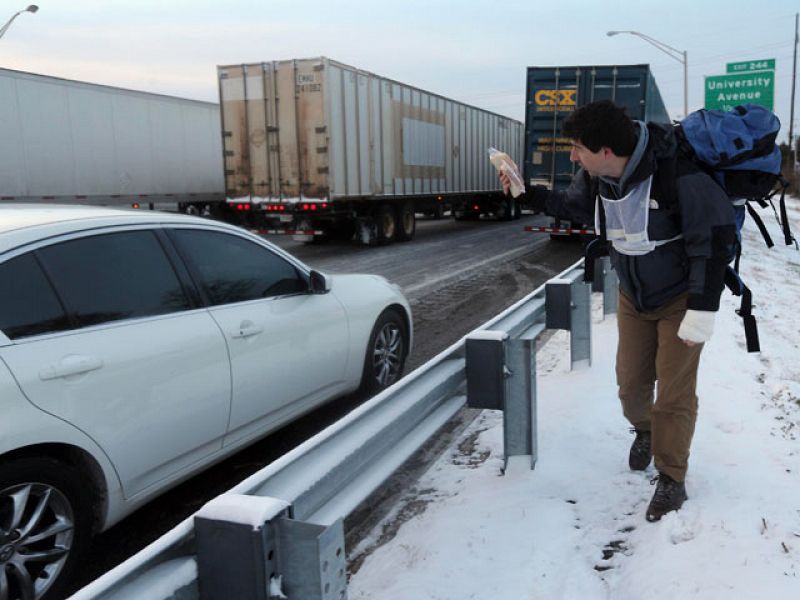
{"x": 465, "y": 214}
{"x": 406, "y": 222}
{"x": 342, "y": 232}
{"x": 386, "y": 224}
{"x": 507, "y": 209}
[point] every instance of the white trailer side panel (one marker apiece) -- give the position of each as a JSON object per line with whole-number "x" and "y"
{"x": 342, "y": 132}
{"x": 64, "y": 140}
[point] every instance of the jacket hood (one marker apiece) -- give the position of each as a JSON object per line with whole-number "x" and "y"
{"x": 661, "y": 144}
{"x": 655, "y": 142}
{"x": 662, "y": 140}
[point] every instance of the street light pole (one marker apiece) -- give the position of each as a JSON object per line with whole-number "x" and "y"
{"x": 31, "y": 9}
{"x": 680, "y": 55}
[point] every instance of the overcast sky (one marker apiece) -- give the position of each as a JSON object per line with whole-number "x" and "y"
{"x": 470, "y": 50}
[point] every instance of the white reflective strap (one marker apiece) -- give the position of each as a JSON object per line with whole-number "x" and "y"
{"x": 662, "y": 242}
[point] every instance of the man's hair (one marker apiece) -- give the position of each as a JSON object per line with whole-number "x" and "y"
{"x": 600, "y": 124}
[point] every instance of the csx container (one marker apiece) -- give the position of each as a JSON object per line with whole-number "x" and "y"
{"x": 319, "y": 146}
{"x": 553, "y": 93}
{"x": 71, "y": 141}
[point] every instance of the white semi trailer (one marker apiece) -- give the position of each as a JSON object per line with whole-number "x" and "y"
{"x": 313, "y": 147}
{"x": 68, "y": 141}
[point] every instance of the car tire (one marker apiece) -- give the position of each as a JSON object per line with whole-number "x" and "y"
{"x": 65, "y": 524}
{"x": 386, "y": 353}
{"x": 406, "y": 223}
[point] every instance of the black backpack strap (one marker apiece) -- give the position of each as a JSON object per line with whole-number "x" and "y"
{"x": 667, "y": 173}
{"x": 738, "y": 255}
{"x": 787, "y": 234}
{"x": 750, "y": 328}
{"x": 737, "y": 287}
{"x": 761, "y": 227}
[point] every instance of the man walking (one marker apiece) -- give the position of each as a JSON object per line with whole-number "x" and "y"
{"x": 669, "y": 226}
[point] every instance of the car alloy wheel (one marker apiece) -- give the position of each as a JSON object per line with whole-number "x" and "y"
{"x": 36, "y": 534}
{"x": 387, "y": 354}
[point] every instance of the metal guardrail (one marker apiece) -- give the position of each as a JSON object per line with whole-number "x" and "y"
{"x": 306, "y": 494}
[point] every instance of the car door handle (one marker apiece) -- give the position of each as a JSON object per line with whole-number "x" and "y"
{"x": 246, "y": 330}
{"x": 70, "y": 365}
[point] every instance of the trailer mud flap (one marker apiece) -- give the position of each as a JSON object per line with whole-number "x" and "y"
{"x": 366, "y": 231}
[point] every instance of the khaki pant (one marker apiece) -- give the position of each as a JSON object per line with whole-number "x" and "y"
{"x": 650, "y": 351}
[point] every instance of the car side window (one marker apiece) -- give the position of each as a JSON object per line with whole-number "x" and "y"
{"x": 28, "y": 304}
{"x": 114, "y": 276}
{"x": 232, "y": 269}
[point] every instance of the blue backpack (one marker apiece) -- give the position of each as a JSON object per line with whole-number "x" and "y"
{"x": 737, "y": 149}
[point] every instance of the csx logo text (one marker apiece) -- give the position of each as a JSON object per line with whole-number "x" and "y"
{"x": 555, "y": 97}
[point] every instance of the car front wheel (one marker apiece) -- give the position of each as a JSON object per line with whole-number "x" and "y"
{"x": 386, "y": 353}
{"x": 45, "y": 524}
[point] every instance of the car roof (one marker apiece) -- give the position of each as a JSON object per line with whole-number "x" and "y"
{"x": 21, "y": 224}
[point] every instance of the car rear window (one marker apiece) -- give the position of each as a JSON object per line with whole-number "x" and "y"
{"x": 28, "y": 304}
{"x": 114, "y": 276}
{"x": 232, "y": 269}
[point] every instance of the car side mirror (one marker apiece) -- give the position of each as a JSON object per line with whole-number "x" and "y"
{"x": 320, "y": 284}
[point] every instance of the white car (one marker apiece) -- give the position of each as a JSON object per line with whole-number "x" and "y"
{"x": 136, "y": 348}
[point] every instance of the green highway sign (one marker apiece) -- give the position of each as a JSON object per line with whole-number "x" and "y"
{"x": 724, "y": 92}
{"x": 765, "y": 64}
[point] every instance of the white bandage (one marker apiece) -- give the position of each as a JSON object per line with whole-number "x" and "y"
{"x": 697, "y": 326}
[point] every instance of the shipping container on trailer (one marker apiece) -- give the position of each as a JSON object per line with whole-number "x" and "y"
{"x": 553, "y": 93}
{"x": 67, "y": 141}
{"x": 314, "y": 147}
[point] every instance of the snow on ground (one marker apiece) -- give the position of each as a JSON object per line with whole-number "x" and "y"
{"x": 574, "y": 527}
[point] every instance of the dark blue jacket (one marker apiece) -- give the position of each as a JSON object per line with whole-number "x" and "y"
{"x": 689, "y": 203}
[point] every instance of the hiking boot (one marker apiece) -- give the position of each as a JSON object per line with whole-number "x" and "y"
{"x": 669, "y": 496}
{"x": 641, "y": 451}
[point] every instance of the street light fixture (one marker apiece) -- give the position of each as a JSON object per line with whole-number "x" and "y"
{"x": 31, "y": 9}
{"x": 679, "y": 55}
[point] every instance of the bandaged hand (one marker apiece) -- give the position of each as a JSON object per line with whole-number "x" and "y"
{"x": 697, "y": 326}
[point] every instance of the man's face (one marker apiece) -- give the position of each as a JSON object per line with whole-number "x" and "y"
{"x": 593, "y": 162}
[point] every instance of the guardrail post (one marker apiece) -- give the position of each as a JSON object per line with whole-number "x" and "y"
{"x": 248, "y": 548}
{"x": 605, "y": 281}
{"x": 501, "y": 375}
{"x": 519, "y": 416}
{"x": 610, "y": 288}
{"x": 568, "y": 306}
